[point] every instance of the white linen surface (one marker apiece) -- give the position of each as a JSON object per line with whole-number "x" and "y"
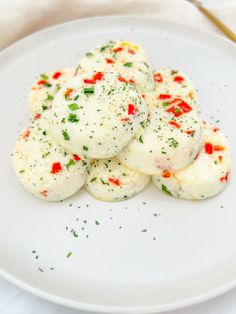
{"x": 19, "y": 18}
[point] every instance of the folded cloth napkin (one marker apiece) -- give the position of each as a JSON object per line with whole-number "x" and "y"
{"x": 19, "y": 18}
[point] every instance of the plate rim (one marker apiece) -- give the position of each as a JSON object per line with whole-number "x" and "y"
{"x": 106, "y": 308}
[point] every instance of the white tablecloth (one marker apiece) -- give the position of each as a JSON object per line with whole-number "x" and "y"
{"x": 19, "y": 18}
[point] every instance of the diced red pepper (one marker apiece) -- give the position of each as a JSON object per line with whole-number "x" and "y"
{"x": 42, "y": 82}
{"x": 164, "y": 96}
{"x": 178, "y": 79}
{"x": 176, "y": 111}
{"x": 218, "y": 148}
{"x": 26, "y": 134}
{"x": 118, "y": 49}
{"x": 44, "y": 193}
{"x": 158, "y": 78}
{"x": 38, "y": 116}
{"x": 122, "y": 79}
{"x": 89, "y": 81}
{"x": 190, "y": 132}
{"x": 174, "y": 123}
{"x": 131, "y": 109}
{"x": 215, "y": 129}
{"x": 114, "y": 181}
{"x": 131, "y": 81}
{"x": 131, "y": 51}
{"x": 110, "y": 61}
{"x": 68, "y": 92}
{"x": 98, "y": 76}
{"x": 208, "y": 148}
{"x": 125, "y": 119}
{"x": 185, "y": 107}
{"x": 225, "y": 178}
{"x": 76, "y": 157}
{"x": 220, "y": 158}
{"x": 166, "y": 174}
{"x": 56, "y": 167}
{"x": 56, "y": 75}
{"x": 143, "y": 95}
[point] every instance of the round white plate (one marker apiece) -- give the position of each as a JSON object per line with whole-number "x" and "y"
{"x": 150, "y": 253}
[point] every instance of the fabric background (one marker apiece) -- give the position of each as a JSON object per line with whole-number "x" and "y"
{"x": 19, "y": 18}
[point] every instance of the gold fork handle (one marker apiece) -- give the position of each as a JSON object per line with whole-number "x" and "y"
{"x": 230, "y": 34}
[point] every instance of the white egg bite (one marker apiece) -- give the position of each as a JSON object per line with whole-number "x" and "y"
{"x": 169, "y": 81}
{"x": 206, "y": 176}
{"x": 170, "y": 139}
{"x": 97, "y": 115}
{"x": 126, "y": 58}
{"x": 110, "y": 180}
{"x": 45, "y": 168}
{"x": 44, "y": 89}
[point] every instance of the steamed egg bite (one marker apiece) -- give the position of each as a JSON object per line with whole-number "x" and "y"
{"x": 45, "y": 168}
{"x": 44, "y": 89}
{"x": 169, "y": 139}
{"x": 128, "y": 59}
{"x": 109, "y": 180}
{"x": 206, "y": 176}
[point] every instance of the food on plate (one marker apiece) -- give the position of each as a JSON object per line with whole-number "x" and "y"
{"x": 45, "y": 168}
{"x": 109, "y": 180}
{"x": 44, "y": 89}
{"x": 96, "y": 114}
{"x": 169, "y": 140}
{"x": 110, "y": 123}
{"x": 206, "y": 176}
{"x": 126, "y": 58}
{"x": 169, "y": 81}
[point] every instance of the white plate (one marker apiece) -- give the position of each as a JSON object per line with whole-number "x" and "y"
{"x": 187, "y": 253}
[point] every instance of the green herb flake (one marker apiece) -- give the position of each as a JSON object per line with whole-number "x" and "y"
{"x": 93, "y": 179}
{"x": 165, "y": 190}
{"x": 85, "y": 148}
{"x": 21, "y": 171}
{"x": 65, "y": 135}
{"x": 44, "y": 76}
{"x": 69, "y": 254}
{"x": 144, "y": 230}
{"x": 50, "y": 97}
{"x": 40, "y": 269}
{"x": 128, "y": 64}
{"x": 97, "y": 222}
{"x": 102, "y": 49}
{"x": 89, "y": 54}
{"x": 140, "y": 139}
{"x": 165, "y": 104}
{"x": 70, "y": 163}
{"x": 44, "y": 107}
{"x": 174, "y": 143}
{"x": 76, "y": 97}
{"x": 47, "y": 84}
{"x": 88, "y": 90}
{"x": 44, "y": 133}
{"x": 73, "y": 106}
{"x": 63, "y": 120}
{"x": 73, "y": 118}
{"x": 177, "y": 110}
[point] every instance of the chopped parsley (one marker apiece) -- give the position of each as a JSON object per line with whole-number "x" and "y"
{"x": 128, "y": 64}
{"x": 97, "y": 222}
{"x": 44, "y": 77}
{"x": 177, "y": 110}
{"x": 44, "y": 107}
{"x": 165, "y": 104}
{"x": 47, "y": 84}
{"x": 93, "y": 179}
{"x": 50, "y": 97}
{"x": 88, "y": 90}
{"x": 63, "y": 120}
{"x": 164, "y": 189}
{"x": 89, "y": 54}
{"x": 140, "y": 139}
{"x": 73, "y": 118}
{"x": 65, "y": 135}
{"x": 102, "y": 49}
{"x": 21, "y": 171}
{"x": 76, "y": 97}
{"x": 73, "y": 106}
{"x": 85, "y": 148}
{"x": 70, "y": 163}
{"x": 69, "y": 254}
{"x": 174, "y": 143}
